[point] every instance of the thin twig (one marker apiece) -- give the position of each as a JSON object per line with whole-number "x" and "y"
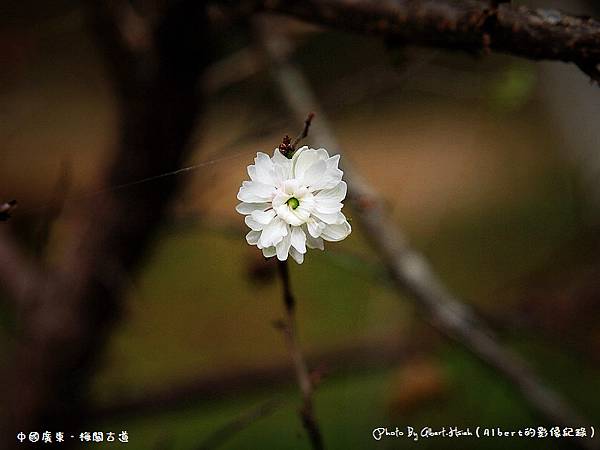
{"x": 409, "y": 270}
{"x": 288, "y": 327}
{"x": 304, "y": 131}
{"x": 230, "y": 429}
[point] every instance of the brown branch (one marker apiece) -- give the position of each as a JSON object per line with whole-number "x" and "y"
{"x": 71, "y": 314}
{"x": 474, "y": 26}
{"x": 288, "y": 328}
{"x": 304, "y": 131}
{"x": 409, "y": 270}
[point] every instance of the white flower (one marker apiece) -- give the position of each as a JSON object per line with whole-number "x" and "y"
{"x": 292, "y": 204}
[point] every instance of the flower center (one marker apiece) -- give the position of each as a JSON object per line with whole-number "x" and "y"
{"x": 293, "y": 202}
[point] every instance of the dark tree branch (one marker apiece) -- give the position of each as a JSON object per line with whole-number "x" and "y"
{"x": 70, "y": 316}
{"x": 408, "y": 269}
{"x": 288, "y": 328}
{"x": 469, "y": 25}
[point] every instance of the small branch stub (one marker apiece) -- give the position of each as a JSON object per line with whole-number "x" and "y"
{"x": 286, "y": 147}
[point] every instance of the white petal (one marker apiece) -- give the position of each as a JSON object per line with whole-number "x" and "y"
{"x": 282, "y": 166}
{"x": 329, "y": 180}
{"x": 269, "y": 252}
{"x": 255, "y": 192}
{"x": 330, "y": 218}
{"x": 332, "y": 176}
{"x": 263, "y": 169}
{"x": 334, "y": 195}
{"x": 304, "y": 158}
{"x": 297, "y": 154}
{"x": 328, "y": 208}
{"x": 252, "y": 237}
{"x": 326, "y": 201}
{"x": 288, "y": 215}
{"x": 315, "y": 227}
{"x": 332, "y": 163}
{"x": 291, "y": 186}
{"x": 313, "y": 176}
{"x": 307, "y": 204}
{"x": 273, "y": 233}
{"x": 253, "y": 224}
{"x": 281, "y": 174}
{"x": 283, "y": 247}
{"x": 263, "y": 217}
{"x": 298, "y": 257}
{"x": 337, "y": 232}
{"x": 312, "y": 242}
{"x": 303, "y": 211}
{"x": 298, "y": 239}
{"x": 322, "y": 153}
{"x": 247, "y": 208}
{"x": 280, "y": 199}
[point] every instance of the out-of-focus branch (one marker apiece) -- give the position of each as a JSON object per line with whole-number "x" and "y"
{"x": 155, "y": 68}
{"x": 245, "y": 62}
{"x": 52, "y": 212}
{"x": 18, "y": 276}
{"x": 231, "y": 69}
{"x": 409, "y": 270}
{"x": 467, "y": 25}
{"x": 288, "y": 328}
{"x": 230, "y": 429}
{"x": 233, "y": 382}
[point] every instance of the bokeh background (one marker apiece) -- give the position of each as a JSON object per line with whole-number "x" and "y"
{"x": 488, "y": 164}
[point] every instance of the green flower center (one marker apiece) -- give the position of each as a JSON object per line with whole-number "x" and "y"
{"x": 293, "y": 202}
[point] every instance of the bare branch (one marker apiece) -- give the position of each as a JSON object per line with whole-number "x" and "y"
{"x": 288, "y": 328}
{"x": 304, "y": 131}
{"x": 409, "y": 270}
{"x": 474, "y": 26}
{"x": 156, "y": 68}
